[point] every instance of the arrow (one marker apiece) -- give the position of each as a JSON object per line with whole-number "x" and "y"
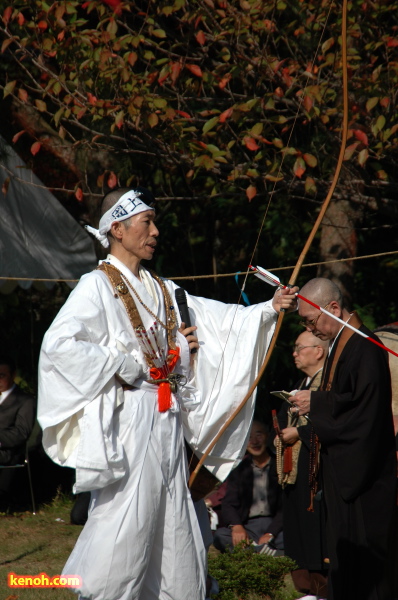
{"x": 273, "y": 280}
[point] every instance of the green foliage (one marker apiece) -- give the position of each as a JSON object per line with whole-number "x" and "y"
{"x": 243, "y": 573}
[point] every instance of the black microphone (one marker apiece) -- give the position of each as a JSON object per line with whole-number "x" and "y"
{"x": 181, "y": 299}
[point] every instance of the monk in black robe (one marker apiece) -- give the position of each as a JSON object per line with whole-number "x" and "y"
{"x": 352, "y": 419}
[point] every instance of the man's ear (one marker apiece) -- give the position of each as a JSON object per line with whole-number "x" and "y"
{"x": 117, "y": 230}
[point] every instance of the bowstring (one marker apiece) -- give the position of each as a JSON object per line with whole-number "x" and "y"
{"x": 271, "y": 194}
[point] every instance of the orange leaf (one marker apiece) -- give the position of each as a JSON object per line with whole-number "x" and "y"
{"x": 42, "y": 25}
{"x": 92, "y": 99}
{"x": 308, "y": 103}
{"x": 23, "y": 95}
{"x": 175, "y": 71}
{"x": 224, "y": 81}
{"x": 251, "y": 191}
{"x": 200, "y": 38}
{"x": 361, "y": 136}
{"x": 20, "y": 19}
{"x": 183, "y": 114}
{"x": 195, "y": 70}
{"x": 35, "y": 148}
{"x": 79, "y": 194}
{"x": 225, "y": 115}
{"x": 61, "y": 36}
{"x": 7, "y": 15}
{"x": 385, "y": 102}
{"x": 299, "y": 167}
{"x": 112, "y": 180}
{"x": 349, "y": 151}
{"x": 251, "y": 143}
{"x": 17, "y": 136}
{"x": 279, "y": 92}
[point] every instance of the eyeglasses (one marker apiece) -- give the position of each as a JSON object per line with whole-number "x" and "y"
{"x": 297, "y": 348}
{"x": 313, "y": 322}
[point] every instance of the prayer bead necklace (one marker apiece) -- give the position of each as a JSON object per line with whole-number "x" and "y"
{"x": 170, "y": 312}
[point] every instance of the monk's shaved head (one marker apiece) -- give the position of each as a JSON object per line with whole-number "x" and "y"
{"x": 321, "y": 291}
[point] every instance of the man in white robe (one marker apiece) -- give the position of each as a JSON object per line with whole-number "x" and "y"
{"x": 99, "y": 411}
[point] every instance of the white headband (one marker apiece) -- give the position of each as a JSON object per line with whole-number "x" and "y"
{"x": 127, "y": 206}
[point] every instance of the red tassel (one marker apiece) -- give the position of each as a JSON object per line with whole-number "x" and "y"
{"x": 164, "y": 397}
{"x": 164, "y": 392}
{"x": 287, "y": 460}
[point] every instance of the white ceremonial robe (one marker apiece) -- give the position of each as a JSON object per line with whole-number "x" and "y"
{"x": 142, "y": 540}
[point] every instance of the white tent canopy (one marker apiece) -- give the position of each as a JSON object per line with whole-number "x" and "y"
{"x": 39, "y": 239}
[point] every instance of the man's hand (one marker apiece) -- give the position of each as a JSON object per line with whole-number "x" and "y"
{"x": 302, "y": 400}
{"x": 290, "y": 435}
{"x": 239, "y": 534}
{"x": 265, "y": 538}
{"x": 285, "y": 299}
{"x": 191, "y": 339}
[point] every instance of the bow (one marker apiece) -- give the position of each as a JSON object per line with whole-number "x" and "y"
{"x": 303, "y": 254}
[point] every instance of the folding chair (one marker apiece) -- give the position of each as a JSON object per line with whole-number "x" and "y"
{"x": 25, "y": 464}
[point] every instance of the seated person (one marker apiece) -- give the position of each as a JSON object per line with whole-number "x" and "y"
{"x": 252, "y": 506}
{"x": 17, "y": 417}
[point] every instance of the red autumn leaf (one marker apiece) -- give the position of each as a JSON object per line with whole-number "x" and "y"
{"x": 251, "y": 191}
{"x": 287, "y": 78}
{"x": 17, "y": 136}
{"x": 114, "y": 5}
{"x": 23, "y": 95}
{"x": 7, "y": 15}
{"x": 308, "y": 103}
{"x": 175, "y": 71}
{"x": 299, "y": 167}
{"x": 200, "y": 38}
{"x": 279, "y": 92}
{"x": 361, "y": 136}
{"x": 79, "y": 194}
{"x": 251, "y": 143}
{"x": 61, "y": 36}
{"x": 42, "y": 25}
{"x": 224, "y": 81}
{"x": 20, "y": 19}
{"x": 385, "y": 102}
{"x": 112, "y": 180}
{"x": 349, "y": 151}
{"x": 35, "y": 148}
{"x": 183, "y": 114}
{"x": 225, "y": 115}
{"x": 195, "y": 70}
{"x": 392, "y": 42}
{"x": 92, "y": 99}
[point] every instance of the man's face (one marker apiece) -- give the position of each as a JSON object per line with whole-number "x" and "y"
{"x": 6, "y": 378}
{"x": 257, "y": 445}
{"x": 319, "y": 324}
{"x": 139, "y": 238}
{"x": 306, "y": 351}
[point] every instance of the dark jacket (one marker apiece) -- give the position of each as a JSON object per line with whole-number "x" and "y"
{"x": 17, "y": 417}
{"x": 239, "y": 496}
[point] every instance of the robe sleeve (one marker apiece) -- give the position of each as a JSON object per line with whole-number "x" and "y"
{"x": 233, "y": 341}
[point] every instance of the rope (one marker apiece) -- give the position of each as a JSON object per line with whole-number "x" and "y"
{"x": 220, "y": 275}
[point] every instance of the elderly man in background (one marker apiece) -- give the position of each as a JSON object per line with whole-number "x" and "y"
{"x": 118, "y": 391}
{"x": 352, "y": 418}
{"x": 303, "y": 530}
